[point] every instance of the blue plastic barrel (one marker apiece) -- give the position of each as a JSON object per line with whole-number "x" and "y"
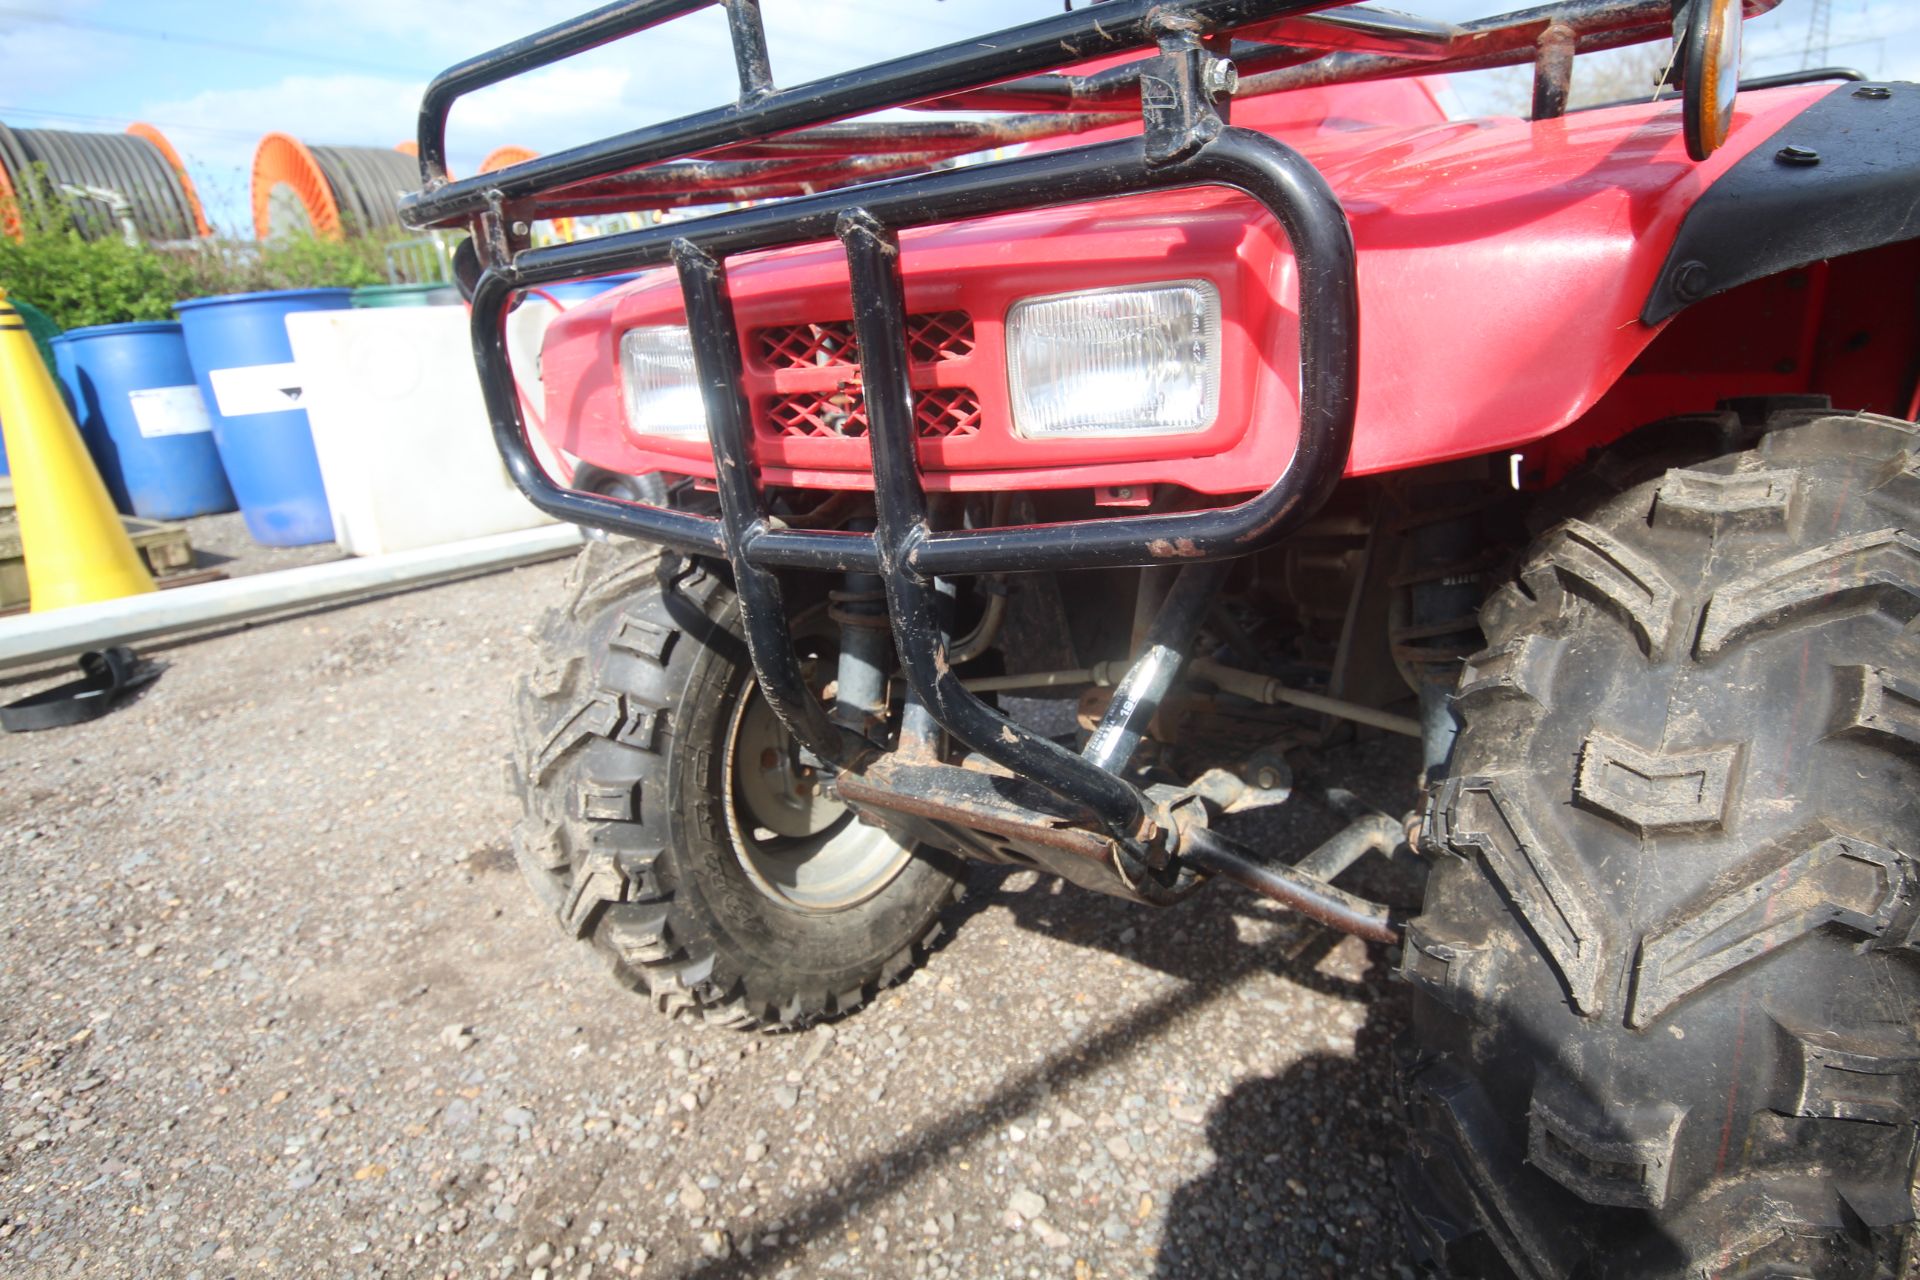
{"x": 571, "y": 293}
{"x": 141, "y": 413}
{"x": 244, "y": 364}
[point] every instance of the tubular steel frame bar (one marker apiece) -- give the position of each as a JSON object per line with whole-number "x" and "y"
{"x": 900, "y": 505}
{"x": 1114, "y": 27}
{"x": 1292, "y": 44}
{"x": 1552, "y": 33}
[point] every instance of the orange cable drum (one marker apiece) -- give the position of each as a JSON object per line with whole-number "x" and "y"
{"x": 141, "y": 129}
{"x": 288, "y": 183}
{"x": 329, "y": 191}
{"x": 9, "y": 209}
{"x": 102, "y": 184}
{"x": 501, "y": 157}
{"x": 559, "y": 229}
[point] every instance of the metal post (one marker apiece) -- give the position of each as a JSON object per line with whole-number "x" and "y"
{"x": 1158, "y": 665}
{"x": 920, "y": 734}
{"x": 873, "y": 265}
{"x": 1553, "y": 70}
{"x": 749, "y": 50}
{"x": 716, "y": 358}
{"x": 866, "y": 650}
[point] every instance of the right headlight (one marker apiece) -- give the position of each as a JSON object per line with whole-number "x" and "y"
{"x": 1132, "y": 361}
{"x": 658, "y": 381}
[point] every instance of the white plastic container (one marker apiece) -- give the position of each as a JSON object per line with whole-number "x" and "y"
{"x": 405, "y": 451}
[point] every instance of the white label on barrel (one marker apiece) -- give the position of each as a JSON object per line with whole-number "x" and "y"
{"x": 169, "y": 411}
{"x": 257, "y": 388}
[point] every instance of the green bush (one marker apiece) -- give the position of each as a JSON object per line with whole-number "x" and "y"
{"x": 305, "y": 262}
{"x": 104, "y": 280}
{"x": 107, "y": 281}
{"x": 80, "y": 282}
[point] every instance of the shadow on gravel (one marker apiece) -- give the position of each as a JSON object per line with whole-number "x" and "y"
{"x": 1082, "y": 918}
{"x": 1302, "y": 1165}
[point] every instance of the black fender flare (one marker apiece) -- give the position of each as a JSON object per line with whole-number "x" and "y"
{"x": 1840, "y": 177}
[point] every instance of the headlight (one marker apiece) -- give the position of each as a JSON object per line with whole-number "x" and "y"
{"x": 662, "y": 391}
{"x": 1135, "y": 361}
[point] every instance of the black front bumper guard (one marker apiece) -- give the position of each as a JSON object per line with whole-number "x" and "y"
{"x": 1185, "y": 143}
{"x": 904, "y": 550}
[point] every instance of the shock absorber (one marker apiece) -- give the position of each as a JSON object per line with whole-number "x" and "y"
{"x": 1448, "y": 548}
{"x": 866, "y": 653}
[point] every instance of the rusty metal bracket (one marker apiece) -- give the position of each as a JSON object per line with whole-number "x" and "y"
{"x": 1178, "y": 92}
{"x": 990, "y": 815}
{"x": 1199, "y": 848}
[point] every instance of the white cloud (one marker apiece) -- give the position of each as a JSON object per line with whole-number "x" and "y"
{"x": 323, "y": 108}
{"x": 545, "y": 111}
{"x": 214, "y": 128}
{"x": 443, "y": 30}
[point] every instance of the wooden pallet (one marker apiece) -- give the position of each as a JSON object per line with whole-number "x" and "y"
{"x": 166, "y": 548}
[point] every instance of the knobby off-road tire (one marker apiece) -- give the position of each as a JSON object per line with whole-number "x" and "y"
{"x": 632, "y": 831}
{"x": 1665, "y": 981}
{"x": 649, "y": 488}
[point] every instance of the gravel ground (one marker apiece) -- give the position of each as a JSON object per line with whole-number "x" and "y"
{"x": 273, "y": 1001}
{"x": 222, "y": 542}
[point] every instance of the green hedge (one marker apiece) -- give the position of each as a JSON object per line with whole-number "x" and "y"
{"x": 107, "y": 281}
{"x": 80, "y": 282}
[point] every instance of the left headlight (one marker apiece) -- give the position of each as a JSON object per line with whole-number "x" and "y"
{"x": 658, "y": 381}
{"x": 1133, "y": 361}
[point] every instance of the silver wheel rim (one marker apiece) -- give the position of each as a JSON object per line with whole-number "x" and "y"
{"x": 798, "y": 846}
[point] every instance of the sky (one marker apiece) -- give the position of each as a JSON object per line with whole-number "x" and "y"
{"x": 215, "y": 75}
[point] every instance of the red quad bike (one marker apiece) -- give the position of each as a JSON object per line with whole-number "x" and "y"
{"x": 1240, "y": 380}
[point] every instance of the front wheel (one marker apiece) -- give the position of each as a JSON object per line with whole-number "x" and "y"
{"x": 670, "y": 819}
{"x": 1665, "y": 979}
{"x": 649, "y": 489}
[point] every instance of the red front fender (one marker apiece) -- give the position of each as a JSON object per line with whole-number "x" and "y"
{"x": 1503, "y": 266}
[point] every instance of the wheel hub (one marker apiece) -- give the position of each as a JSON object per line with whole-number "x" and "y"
{"x": 797, "y": 844}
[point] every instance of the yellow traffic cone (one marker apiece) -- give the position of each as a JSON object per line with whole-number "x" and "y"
{"x": 76, "y": 548}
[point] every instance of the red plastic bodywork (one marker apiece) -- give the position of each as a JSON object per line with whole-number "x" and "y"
{"x": 1502, "y": 269}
